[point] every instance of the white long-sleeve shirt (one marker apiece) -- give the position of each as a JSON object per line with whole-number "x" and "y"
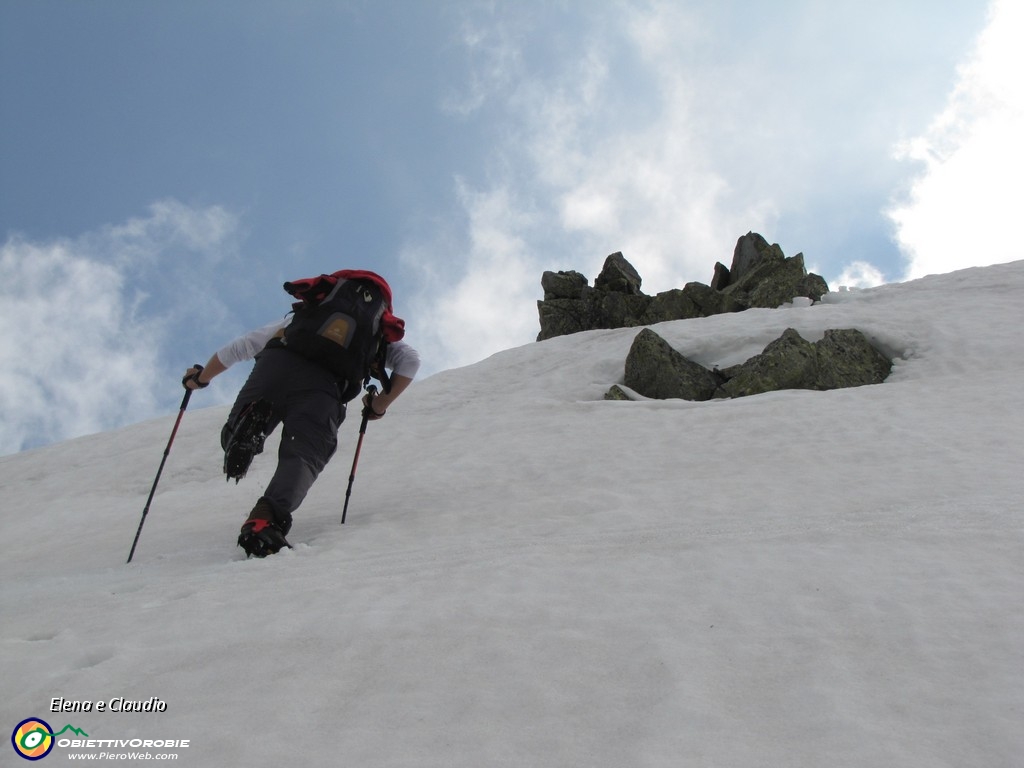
{"x": 401, "y": 359}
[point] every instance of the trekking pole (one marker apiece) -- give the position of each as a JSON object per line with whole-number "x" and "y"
{"x": 167, "y": 450}
{"x": 372, "y": 390}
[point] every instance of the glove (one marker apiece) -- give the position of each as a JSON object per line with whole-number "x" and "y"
{"x": 192, "y": 374}
{"x": 368, "y": 413}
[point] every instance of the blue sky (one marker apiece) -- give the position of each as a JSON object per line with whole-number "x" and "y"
{"x": 165, "y": 166}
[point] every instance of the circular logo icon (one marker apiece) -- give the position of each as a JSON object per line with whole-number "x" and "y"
{"x": 32, "y": 739}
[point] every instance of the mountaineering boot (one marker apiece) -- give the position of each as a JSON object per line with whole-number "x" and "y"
{"x": 243, "y": 440}
{"x": 262, "y": 534}
{"x": 260, "y": 538}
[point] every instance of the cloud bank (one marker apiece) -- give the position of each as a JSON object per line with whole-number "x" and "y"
{"x": 961, "y": 210}
{"x": 88, "y": 320}
{"x": 573, "y": 176}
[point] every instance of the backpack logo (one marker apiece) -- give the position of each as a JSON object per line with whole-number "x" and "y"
{"x": 339, "y": 330}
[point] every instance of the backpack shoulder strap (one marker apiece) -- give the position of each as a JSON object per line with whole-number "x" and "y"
{"x": 378, "y": 370}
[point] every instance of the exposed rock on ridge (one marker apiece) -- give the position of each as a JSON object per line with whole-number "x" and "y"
{"x": 760, "y": 276}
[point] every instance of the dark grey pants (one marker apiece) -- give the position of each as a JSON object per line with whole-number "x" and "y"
{"x": 306, "y": 401}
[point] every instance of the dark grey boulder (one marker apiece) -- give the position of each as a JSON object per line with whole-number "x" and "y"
{"x": 845, "y": 358}
{"x": 789, "y": 362}
{"x": 780, "y": 283}
{"x": 711, "y": 302}
{"x": 812, "y": 286}
{"x": 615, "y": 392}
{"x": 561, "y": 317}
{"x": 721, "y": 277}
{"x": 617, "y": 310}
{"x": 618, "y": 276}
{"x": 654, "y": 369}
{"x": 563, "y": 285}
{"x": 676, "y": 304}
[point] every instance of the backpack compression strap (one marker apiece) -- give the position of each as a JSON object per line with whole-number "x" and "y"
{"x": 311, "y": 290}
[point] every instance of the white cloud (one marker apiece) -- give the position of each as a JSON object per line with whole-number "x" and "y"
{"x": 642, "y": 185}
{"x": 575, "y": 177}
{"x": 859, "y": 274}
{"x": 73, "y": 360}
{"x": 484, "y": 301}
{"x": 82, "y": 348}
{"x": 962, "y": 210}
{"x": 171, "y": 224}
{"x": 494, "y": 62}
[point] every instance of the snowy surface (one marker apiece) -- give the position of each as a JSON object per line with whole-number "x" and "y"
{"x": 532, "y": 576}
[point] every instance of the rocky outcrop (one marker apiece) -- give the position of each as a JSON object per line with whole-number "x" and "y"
{"x": 760, "y": 276}
{"x": 570, "y": 305}
{"x": 843, "y": 358}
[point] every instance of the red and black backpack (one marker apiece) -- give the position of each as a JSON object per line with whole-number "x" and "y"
{"x": 343, "y": 321}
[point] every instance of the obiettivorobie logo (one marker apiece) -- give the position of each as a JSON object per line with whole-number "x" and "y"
{"x": 34, "y": 738}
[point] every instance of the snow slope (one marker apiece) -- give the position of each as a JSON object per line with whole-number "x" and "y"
{"x": 532, "y": 576}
